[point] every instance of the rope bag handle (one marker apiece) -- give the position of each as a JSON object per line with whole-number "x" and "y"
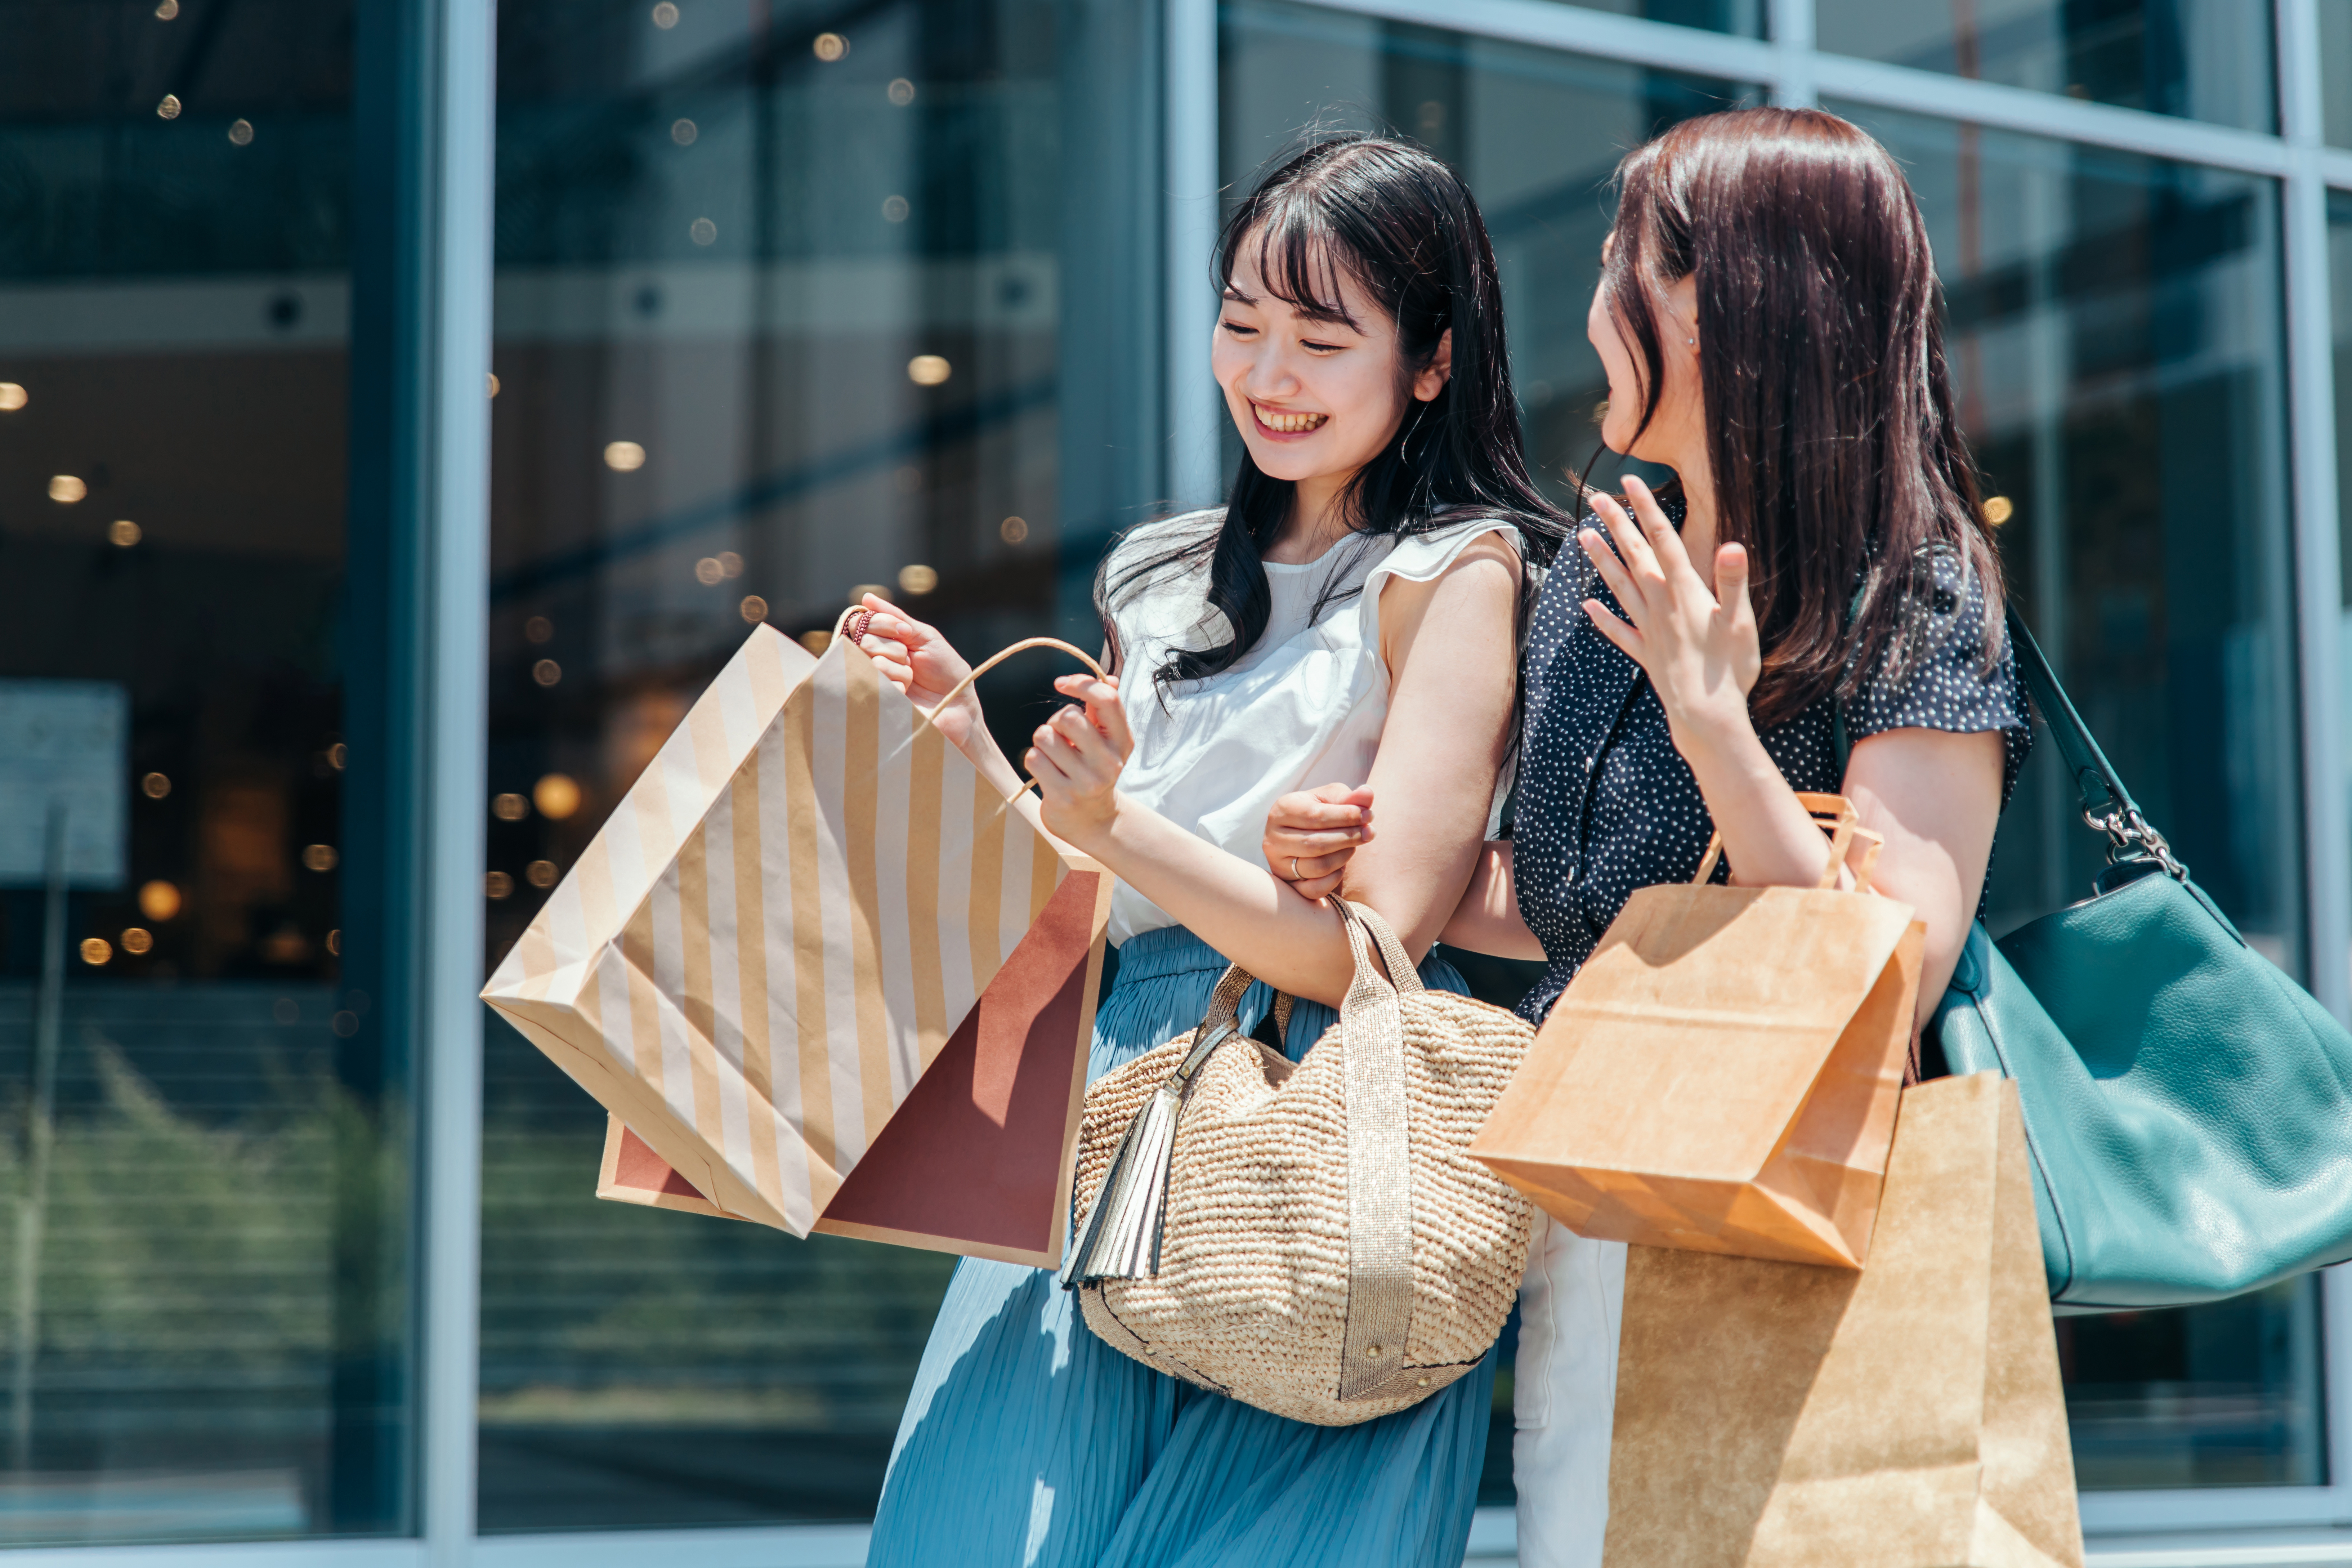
{"x": 861, "y": 617}
{"x": 1836, "y": 816}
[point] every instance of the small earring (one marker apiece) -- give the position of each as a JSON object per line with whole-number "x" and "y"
{"x": 1692, "y": 341}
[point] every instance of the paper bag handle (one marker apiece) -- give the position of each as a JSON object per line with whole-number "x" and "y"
{"x": 1837, "y": 818}
{"x": 841, "y": 627}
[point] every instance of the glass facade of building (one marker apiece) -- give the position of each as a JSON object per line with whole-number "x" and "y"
{"x": 392, "y": 445}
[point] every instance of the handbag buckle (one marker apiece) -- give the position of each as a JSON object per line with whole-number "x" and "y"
{"x": 2131, "y": 837}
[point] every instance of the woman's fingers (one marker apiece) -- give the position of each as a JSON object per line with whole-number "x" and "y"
{"x": 1639, "y": 561}
{"x": 1313, "y": 867}
{"x": 1616, "y": 631}
{"x": 1314, "y": 889}
{"x": 1324, "y": 841}
{"x": 1103, "y": 708}
{"x": 1613, "y": 571}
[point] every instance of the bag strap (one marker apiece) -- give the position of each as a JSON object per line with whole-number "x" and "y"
{"x": 2106, "y": 805}
{"x": 1379, "y": 1168}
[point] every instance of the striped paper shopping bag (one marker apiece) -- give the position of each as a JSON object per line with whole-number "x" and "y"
{"x": 821, "y": 975}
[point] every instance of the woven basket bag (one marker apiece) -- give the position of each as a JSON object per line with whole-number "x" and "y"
{"x": 1308, "y": 1239}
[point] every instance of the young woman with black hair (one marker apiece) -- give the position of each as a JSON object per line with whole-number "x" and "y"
{"x": 1820, "y": 580}
{"x": 1350, "y": 613}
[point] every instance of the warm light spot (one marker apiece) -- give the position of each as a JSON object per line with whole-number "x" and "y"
{"x": 557, "y": 795}
{"x": 335, "y": 942}
{"x": 538, "y": 628}
{"x": 702, "y": 231}
{"x": 928, "y": 369}
{"x": 624, "y": 457}
{"x": 754, "y": 608}
{"x": 498, "y": 884}
{"x": 684, "y": 132}
{"x": 510, "y": 807}
{"x": 540, "y": 873}
{"x": 493, "y": 380}
{"x": 156, "y": 786}
{"x": 287, "y": 944}
{"x": 547, "y": 672}
{"x": 1999, "y": 509}
{"x": 665, "y": 15}
{"x": 345, "y": 1024}
{"x": 138, "y": 940}
{"x": 12, "y": 397}
{"x": 337, "y": 756}
{"x": 894, "y": 209}
{"x": 816, "y": 642}
{"x": 170, "y": 108}
{"x": 1012, "y": 530}
{"x": 159, "y": 901}
{"x": 123, "y": 533}
{"x": 241, "y": 132}
{"x": 66, "y": 488}
{"x": 730, "y": 563}
{"x": 902, "y": 91}
{"x": 858, "y": 593}
{"x": 96, "y": 950}
{"x": 707, "y": 571}
{"x": 828, "y": 46}
{"x": 916, "y": 579}
{"x": 320, "y": 856}
{"x": 167, "y": 10}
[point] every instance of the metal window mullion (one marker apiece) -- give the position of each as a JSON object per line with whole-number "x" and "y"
{"x": 1195, "y": 411}
{"x": 1793, "y": 83}
{"x": 457, "y": 600}
{"x": 2318, "y": 596}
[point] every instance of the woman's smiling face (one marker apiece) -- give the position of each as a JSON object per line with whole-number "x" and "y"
{"x": 1313, "y": 395}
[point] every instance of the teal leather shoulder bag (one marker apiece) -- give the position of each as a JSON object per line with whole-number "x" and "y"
{"x": 2188, "y": 1106}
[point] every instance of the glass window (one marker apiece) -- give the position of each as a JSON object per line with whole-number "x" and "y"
{"x": 2335, "y": 72}
{"x": 1743, "y": 19}
{"x": 2116, "y": 341}
{"x": 201, "y": 1166}
{"x": 2200, "y": 60}
{"x": 790, "y": 301}
{"x": 1471, "y": 100}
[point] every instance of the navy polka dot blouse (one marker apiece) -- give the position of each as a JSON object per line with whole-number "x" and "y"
{"x": 1606, "y": 804}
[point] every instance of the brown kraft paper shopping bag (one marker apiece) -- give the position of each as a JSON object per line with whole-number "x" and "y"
{"x": 827, "y": 976}
{"x": 1909, "y": 1415}
{"x": 1721, "y": 1075}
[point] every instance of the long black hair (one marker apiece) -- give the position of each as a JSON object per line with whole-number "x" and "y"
{"x": 1837, "y": 459}
{"x": 1401, "y": 226}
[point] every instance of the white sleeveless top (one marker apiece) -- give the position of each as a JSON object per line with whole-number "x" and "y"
{"x": 1304, "y": 707}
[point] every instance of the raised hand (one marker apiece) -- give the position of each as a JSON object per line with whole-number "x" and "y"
{"x": 1076, "y": 757}
{"x": 924, "y": 665}
{"x": 1312, "y": 834}
{"x": 1697, "y": 645}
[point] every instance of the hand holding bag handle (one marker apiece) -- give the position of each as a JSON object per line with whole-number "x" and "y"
{"x": 1838, "y": 818}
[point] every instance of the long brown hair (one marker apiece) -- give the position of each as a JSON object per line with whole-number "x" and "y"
{"x": 1828, "y": 410}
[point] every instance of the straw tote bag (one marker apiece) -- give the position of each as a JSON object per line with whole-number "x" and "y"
{"x": 1311, "y": 1238}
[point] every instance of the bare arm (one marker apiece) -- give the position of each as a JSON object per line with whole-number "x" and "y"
{"x": 1451, "y": 646}
{"x": 1935, "y": 796}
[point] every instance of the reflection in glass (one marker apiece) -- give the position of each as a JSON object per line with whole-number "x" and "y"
{"x": 198, "y": 1159}
{"x": 2115, "y": 333}
{"x": 2199, "y": 59}
{"x": 1473, "y": 102}
{"x": 790, "y": 302}
{"x": 2335, "y": 72}
{"x": 1743, "y": 19}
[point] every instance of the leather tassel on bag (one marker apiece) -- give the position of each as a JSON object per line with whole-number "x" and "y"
{"x": 1122, "y": 1236}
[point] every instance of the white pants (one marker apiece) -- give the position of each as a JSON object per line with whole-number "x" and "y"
{"x": 1564, "y": 1394}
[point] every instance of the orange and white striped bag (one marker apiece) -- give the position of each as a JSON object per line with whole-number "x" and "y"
{"x": 827, "y": 977}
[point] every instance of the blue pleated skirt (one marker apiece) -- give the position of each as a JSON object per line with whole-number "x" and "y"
{"x": 1027, "y": 1441}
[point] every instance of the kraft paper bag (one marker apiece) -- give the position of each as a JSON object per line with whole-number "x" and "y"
{"x": 1721, "y": 1075}
{"x": 1782, "y": 1415}
{"x": 827, "y": 976}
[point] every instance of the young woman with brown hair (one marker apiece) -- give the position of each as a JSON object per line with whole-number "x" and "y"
{"x": 1815, "y": 605}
